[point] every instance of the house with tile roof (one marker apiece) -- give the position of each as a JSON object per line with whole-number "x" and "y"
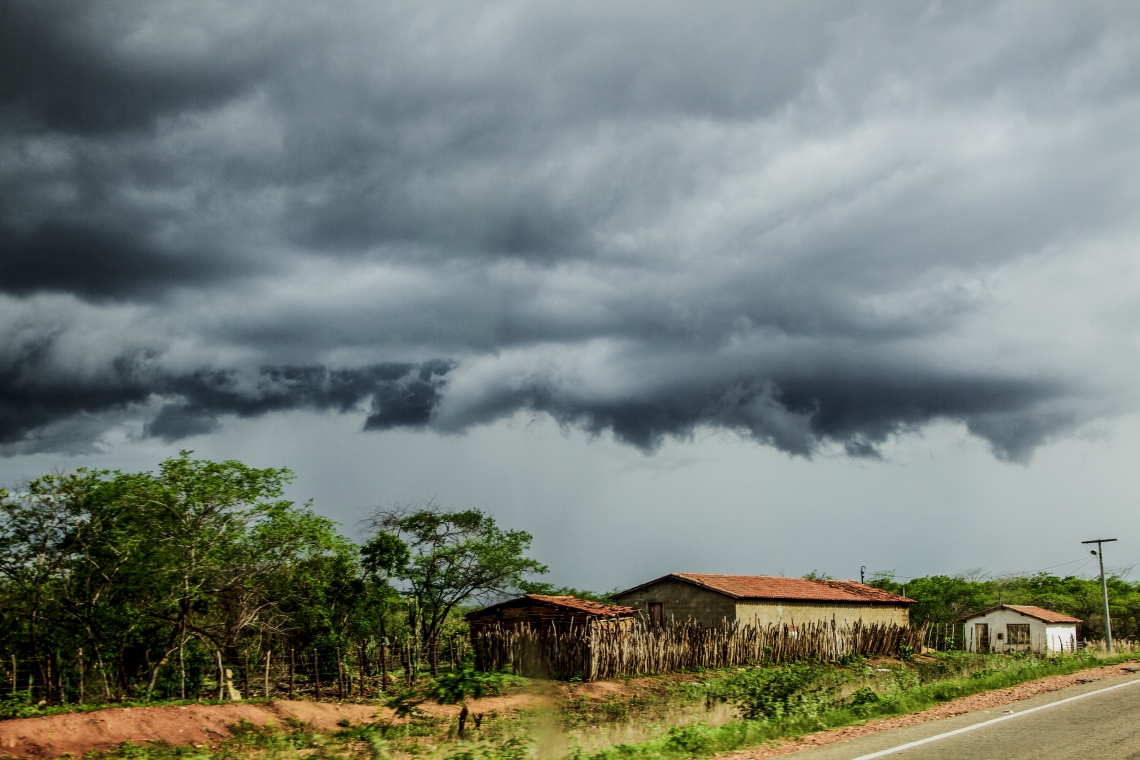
{"x": 543, "y": 613}
{"x": 763, "y": 600}
{"x": 1020, "y": 628}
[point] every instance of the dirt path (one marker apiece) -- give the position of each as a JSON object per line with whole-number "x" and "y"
{"x": 77, "y": 733}
{"x": 988, "y": 699}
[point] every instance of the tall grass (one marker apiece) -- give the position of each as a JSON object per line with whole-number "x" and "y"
{"x": 698, "y": 741}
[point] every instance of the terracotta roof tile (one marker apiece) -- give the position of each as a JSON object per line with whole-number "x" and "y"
{"x": 584, "y": 605}
{"x": 1042, "y": 614}
{"x": 572, "y": 603}
{"x": 772, "y": 587}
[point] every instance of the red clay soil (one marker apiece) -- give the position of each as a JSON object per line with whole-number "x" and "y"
{"x": 989, "y": 699}
{"x": 78, "y": 733}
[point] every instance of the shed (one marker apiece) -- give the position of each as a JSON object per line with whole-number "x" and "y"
{"x": 764, "y": 600}
{"x": 542, "y": 612}
{"x": 1020, "y": 628}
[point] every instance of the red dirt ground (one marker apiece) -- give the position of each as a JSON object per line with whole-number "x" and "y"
{"x": 77, "y": 733}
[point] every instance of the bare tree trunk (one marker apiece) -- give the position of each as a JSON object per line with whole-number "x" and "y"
{"x": 221, "y": 676}
{"x": 267, "y": 654}
{"x": 182, "y": 664}
{"x": 316, "y": 674}
{"x": 360, "y": 668}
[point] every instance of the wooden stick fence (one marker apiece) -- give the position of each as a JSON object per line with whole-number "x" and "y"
{"x": 607, "y": 651}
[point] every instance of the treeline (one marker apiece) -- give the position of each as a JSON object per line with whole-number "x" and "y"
{"x": 942, "y": 599}
{"x": 149, "y": 585}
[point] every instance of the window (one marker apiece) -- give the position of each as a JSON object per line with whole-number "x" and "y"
{"x": 1017, "y": 634}
{"x": 656, "y": 613}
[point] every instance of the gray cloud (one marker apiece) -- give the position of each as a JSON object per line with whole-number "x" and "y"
{"x": 804, "y": 224}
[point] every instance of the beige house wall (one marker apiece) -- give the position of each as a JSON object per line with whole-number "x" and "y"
{"x": 682, "y": 601}
{"x": 763, "y": 613}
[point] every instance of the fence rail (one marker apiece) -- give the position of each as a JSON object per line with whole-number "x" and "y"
{"x": 598, "y": 652}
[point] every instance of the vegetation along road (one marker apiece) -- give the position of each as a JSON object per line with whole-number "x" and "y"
{"x": 1096, "y": 719}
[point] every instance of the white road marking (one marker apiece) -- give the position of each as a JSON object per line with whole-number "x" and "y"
{"x": 948, "y": 734}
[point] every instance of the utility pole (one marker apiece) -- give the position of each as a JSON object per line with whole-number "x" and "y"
{"x": 1099, "y": 553}
{"x": 862, "y": 570}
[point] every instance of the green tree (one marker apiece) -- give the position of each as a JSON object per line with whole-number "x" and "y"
{"x": 449, "y": 559}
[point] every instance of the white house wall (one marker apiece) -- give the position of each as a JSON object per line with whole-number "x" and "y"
{"x": 1043, "y": 637}
{"x": 1061, "y": 636}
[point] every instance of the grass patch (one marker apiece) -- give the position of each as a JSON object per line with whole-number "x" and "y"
{"x": 805, "y": 716}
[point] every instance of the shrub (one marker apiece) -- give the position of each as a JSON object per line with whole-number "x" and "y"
{"x": 792, "y": 689}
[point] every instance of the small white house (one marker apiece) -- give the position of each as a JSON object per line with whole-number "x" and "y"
{"x": 1020, "y": 628}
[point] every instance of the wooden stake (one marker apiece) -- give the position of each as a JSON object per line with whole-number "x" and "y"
{"x": 267, "y": 653}
{"x": 292, "y": 668}
{"x": 316, "y": 674}
{"x": 221, "y": 676}
{"x": 360, "y": 668}
{"x": 383, "y": 666}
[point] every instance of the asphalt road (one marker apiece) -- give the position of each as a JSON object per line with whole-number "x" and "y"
{"x": 1101, "y": 725}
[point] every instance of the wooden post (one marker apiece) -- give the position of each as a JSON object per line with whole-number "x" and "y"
{"x": 267, "y": 654}
{"x": 292, "y": 668}
{"x": 383, "y": 665}
{"x": 245, "y": 676}
{"x": 14, "y": 684}
{"x": 360, "y": 665}
{"x": 339, "y": 675}
{"x": 316, "y": 674}
{"x": 221, "y": 676}
{"x": 79, "y": 667}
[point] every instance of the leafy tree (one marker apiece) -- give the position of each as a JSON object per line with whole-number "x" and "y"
{"x": 448, "y": 559}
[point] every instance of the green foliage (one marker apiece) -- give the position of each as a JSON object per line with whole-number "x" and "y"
{"x": 450, "y": 688}
{"x": 944, "y": 599}
{"x": 865, "y": 696}
{"x": 549, "y": 589}
{"x": 451, "y": 558}
{"x": 773, "y": 692}
{"x": 464, "y": 683}
{"x": 514, "y": 748}
{"x": 150, "y": 575}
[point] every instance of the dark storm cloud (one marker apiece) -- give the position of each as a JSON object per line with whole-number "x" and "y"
{"x": 98, "y": 261}
{"x": 33, "y": 397}
{"x": 807, "y": 224}
{"x": 63, "y": 67}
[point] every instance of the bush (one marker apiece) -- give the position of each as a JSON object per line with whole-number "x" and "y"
{"x": 792, "y": 689}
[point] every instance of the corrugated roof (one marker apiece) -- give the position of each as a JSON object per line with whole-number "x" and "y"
{"x": 573, "y": 603}
{"x": 1042, "y": 614}
{"x": 772, "y": 587}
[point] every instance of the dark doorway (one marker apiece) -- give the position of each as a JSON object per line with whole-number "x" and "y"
{"x": 656, "y": 613}
{"x": 982, "y": 637}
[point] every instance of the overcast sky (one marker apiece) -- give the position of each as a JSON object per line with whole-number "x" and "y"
{"x": 760, "y": 287}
